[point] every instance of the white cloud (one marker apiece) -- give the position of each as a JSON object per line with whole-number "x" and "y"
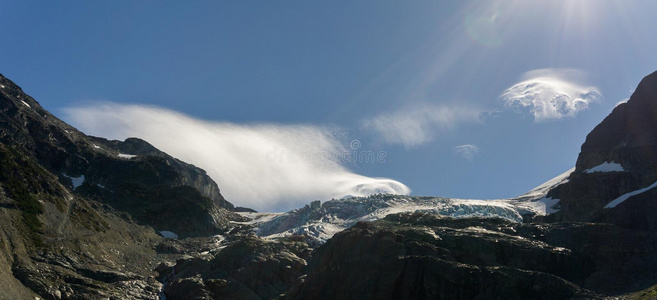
{"x": 467, "y": 151}
{"x": 550, "y": 94}
{"x": 268, "y": 167}
{"x": 415, "y": 126}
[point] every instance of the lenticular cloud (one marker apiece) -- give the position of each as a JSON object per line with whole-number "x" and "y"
{"x": 550, "y": 94}
{"x": 267, "y": 167}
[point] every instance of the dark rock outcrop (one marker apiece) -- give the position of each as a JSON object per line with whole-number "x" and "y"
{"x": 423, "y": 256}
{"x": 248, "y": 267}
{"x": 245, "y": 209}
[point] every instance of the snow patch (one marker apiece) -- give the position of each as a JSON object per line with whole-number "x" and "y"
{"x": 128, "y": 156}
{"x": 2, "y": 86}
{"x": 432, "y": 233}
{"x": 536, "y": 202}
{"x": 626, "y": 196}
{"x": 77, "y": 181}
{"x": 96, "y": 146}
{"x": 168, "y": 234}
{"x": 542, "y": 190}
{"x": 606, "y": 167}
{"x": 546, "y": 205}
{"x": 217, "y": 241}
{"x": 26, "y": 104}
{"x": 257, "y": 218}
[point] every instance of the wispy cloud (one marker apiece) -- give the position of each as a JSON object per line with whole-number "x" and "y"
{"x": 467, "y": 151}
{"x": 420, "y": 124}
{"x": 550, "y": 94}
{"x": 264, "y": 166}
{"x": 621, "y": 102}
{"x": 631, "y": 91}
{"x": 547, "y": 94}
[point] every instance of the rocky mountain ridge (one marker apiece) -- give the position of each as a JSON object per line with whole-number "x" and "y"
{"x": 115, "y": 172}
{"x": 80, "y": 214}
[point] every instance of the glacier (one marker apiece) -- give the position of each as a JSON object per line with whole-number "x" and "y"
{"x": 320, "y": 221}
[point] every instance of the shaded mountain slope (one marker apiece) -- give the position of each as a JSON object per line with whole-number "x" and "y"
{"x": 80, "y": 215}
{"x": 132, "y": 176}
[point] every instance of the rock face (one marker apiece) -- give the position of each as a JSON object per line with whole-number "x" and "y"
{"x": 243, "y": 267}
{"x": 425, "y": 256}
{"x": 419, "y": 256}
{"x": 79, "y": 215}
{"x": 627, "y": 137}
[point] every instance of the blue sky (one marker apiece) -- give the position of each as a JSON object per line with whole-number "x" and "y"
{"x": 469, "y": 99}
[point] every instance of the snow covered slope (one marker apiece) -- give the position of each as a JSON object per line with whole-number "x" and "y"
{"x": 321, "y": 221}
{"x": 535, "y": 201}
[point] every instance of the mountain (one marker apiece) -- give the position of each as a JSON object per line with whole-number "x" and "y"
{"x": 617, "y": 167}
{"x": 588, "y": 233}
{"x": 80, "y": 214}
{"x": 132, "y": 176}
{"x": 83, "y": 217}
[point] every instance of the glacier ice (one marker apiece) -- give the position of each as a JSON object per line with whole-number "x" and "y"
{"x": 320, "y": 221}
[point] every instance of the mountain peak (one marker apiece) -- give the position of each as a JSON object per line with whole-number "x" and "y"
{"x": 630, "y": 125}
{"x": 646, "y": 90}
{"x": 618, "y": 161}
